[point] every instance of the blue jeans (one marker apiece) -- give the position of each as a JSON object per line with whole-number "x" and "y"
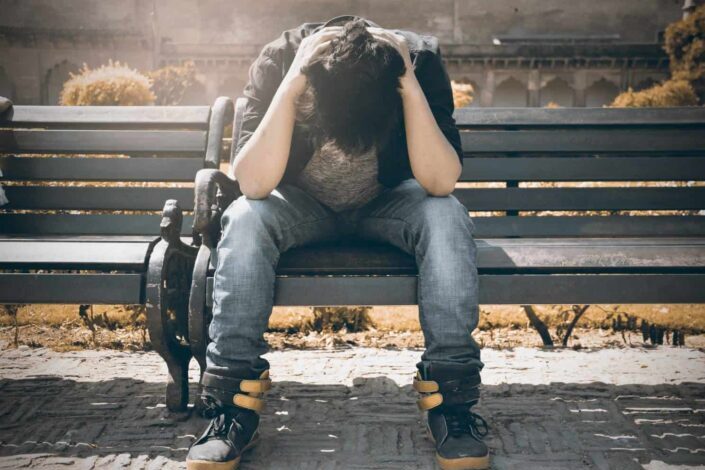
{"x": 437, "y": 231}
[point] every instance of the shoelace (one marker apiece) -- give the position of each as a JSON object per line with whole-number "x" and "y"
{"x": 218, "y": 418}
{"x": 464, "y": 421}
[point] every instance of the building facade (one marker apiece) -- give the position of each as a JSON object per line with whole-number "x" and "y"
{"x": 514, "y": 53}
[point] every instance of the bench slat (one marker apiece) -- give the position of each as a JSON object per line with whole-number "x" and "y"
{"x": 586, "y": 226}
{"x": 613, "y": 140}
{"x": 563, "y": 117}
{"x": 507, "y": 255}
{"x": 71, "y": 288}
{"x": 494, "y": 289}
{"x": 73, "y": 254}
{"x": 485, "y": 227}
{"x": 86, "y": 224}
{"x": 108, "y": 116}
{"x": 564, "y": 199}
{"x": 95, "y": 198}
{"x": 100, "y": 169}
{"x": 102, "y": 141}
{"x": 583, "y": 169}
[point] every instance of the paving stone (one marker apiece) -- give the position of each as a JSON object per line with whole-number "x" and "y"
{"x": 355, "y": 409}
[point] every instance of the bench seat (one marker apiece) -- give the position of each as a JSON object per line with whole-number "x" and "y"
{"x": 508, "y": 255}
{"x": 113, "y": 252}
{"x": 512, "y": 271}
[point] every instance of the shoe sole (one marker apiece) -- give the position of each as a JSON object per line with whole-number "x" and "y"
{"x": 462, "y": 463}
{"x": 229, "y": 465}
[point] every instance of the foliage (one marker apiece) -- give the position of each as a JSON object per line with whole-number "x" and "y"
{"x": 171, "y": 83}
{"x": 350, "y": 319}
{"x": 463, "y": 94}
{"x": 669, "y": 93}
{"x": 685, "y": 46}
{"x": 114, "y": 84}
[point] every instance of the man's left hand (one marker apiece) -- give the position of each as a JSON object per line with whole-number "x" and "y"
{"x": 397, "y": 41}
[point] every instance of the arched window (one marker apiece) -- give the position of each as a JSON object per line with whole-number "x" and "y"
{"x": 557, "y": 91}
{"x": 511, "y": 93}
{"x": 600, "y": 93}
{"x": 54, "y": 81}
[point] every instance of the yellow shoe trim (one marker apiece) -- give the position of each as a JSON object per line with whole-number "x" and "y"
{"x": 208, "y": 465}
{"x": 246, "y": 401}
{"x": 255, "y": 386}
{"x": 464, "y": 463}
{"x": 430, "y": 401}
{"x": 425, "y": 386}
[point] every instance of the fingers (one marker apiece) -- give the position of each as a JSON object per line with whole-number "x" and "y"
{"x": 321, "y": 49}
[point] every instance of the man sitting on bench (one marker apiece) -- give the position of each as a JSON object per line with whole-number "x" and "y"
{"x": 348, "y": 132}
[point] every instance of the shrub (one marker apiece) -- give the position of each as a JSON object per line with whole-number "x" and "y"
{"x": 107, "y": 85}
{"x": 685, "y": 46}
{"x": 170, "y": 83}
{"x": 670, "y": 93}
{"x": 463, "y": 94}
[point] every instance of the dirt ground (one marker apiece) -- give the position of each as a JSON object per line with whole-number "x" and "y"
{"x": 62, "y": 328}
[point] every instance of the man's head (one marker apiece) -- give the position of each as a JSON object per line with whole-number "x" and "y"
{"x": 352, "y": 95}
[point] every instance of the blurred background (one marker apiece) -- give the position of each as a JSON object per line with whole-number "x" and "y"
{"x": 498, "y": 52}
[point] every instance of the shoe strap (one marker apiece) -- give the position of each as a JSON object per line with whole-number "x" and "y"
{"x": 244, "y": 393}
{"x": 449, "y": 392}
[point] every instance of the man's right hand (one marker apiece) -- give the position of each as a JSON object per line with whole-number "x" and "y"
{"x": 311, "y": 47}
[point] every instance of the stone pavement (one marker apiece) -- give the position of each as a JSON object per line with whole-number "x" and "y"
{"x": 355, "y": 409}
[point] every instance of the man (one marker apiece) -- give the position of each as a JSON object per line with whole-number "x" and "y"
{"x": 348, "y": 132}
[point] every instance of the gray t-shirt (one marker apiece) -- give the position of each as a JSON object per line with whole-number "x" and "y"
{"x": 341, "y": 181}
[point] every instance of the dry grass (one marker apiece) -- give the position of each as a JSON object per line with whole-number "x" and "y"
{"x": 117, "y": 327}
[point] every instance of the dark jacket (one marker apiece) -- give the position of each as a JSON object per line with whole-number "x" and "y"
{"x": 270, "y": 67}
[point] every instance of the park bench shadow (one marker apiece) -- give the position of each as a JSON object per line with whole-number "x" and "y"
{"x": 372, "y": 424}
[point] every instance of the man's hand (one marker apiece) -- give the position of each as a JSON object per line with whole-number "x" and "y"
{"x": 311, "y": 48}
{"x": 433, "y": 159}
{"x": 397, "y": 41}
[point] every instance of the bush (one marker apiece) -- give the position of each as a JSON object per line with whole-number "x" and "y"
{"x": 463, "y": 94}
{"x": 669, "y": 93}
{"x": 108, "y": 85}
{"x": 685, "y": 46}
{"x": 170, "y": 83}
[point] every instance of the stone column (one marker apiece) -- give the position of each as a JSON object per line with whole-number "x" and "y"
{"x": 534, "y": 85}
{"x": 580, "y": 87}
{"x": 487, "y": 93}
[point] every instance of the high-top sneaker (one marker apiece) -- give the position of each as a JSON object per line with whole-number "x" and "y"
{"x": 448, "y": 393}
{"x": 233, "y": 406}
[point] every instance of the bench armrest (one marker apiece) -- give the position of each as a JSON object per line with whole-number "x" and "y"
{"x": 214, "y": 191}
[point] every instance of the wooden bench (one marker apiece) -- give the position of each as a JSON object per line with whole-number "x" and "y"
{"x": 64, "y": 239}
{"x": 589, "y": 249}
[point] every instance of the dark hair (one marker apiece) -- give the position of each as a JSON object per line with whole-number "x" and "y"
{"x": 352, "y": 96}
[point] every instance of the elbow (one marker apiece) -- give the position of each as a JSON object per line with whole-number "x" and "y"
{"x": 253, "y": 191}
{"x": 441, "y": 192}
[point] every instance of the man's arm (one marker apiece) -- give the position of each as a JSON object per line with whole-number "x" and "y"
{"x": 260, "y": 163}
{"x": 267, "y": 127}
{"x": 433, "y": 140}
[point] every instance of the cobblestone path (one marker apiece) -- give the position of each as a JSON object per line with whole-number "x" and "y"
{"x": 355, "y": 409}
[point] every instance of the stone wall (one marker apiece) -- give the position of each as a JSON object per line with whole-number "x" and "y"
{"x": 494, "y": 44}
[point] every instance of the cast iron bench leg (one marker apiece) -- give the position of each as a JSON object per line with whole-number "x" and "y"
{"x": 168, "y": 284}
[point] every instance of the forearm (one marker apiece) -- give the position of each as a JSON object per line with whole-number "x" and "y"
{"x": 260, "y": 164}
{"x": 433, "y": 159}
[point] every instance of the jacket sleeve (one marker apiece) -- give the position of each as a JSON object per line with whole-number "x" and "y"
{"x": 435, "y": 82}
{"x": 264, "y": 79}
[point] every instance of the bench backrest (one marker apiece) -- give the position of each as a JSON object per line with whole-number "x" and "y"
{"x": 580, "y": 172}
{"x": 583, "y": 169}
{"x": 99, "y": 170}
